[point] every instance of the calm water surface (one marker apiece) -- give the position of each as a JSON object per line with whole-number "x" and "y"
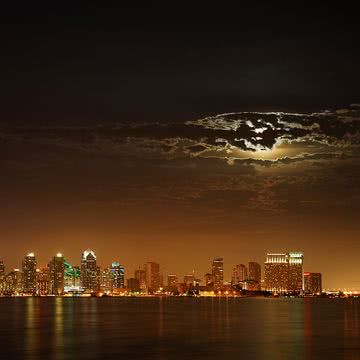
{"x": 179, "y": 328}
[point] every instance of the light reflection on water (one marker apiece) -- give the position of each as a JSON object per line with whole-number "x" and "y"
{"x": 178, "y": 328}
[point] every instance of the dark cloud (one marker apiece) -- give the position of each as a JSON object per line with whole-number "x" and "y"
{"x": 248, "y": 132}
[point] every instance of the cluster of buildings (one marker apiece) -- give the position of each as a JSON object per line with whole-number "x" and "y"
{"x": 283, "y": 273}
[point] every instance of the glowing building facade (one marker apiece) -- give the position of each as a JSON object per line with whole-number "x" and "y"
{"x": 296, "y": 260}
{"x": 89, "y": 278}
{"x": 284, "y": 272}
{"x": 2, "y": 276}
{"x": 118, "y": 275}
{"x": 276, "y": 272}
{"x": 312, "y": 283}
{"x": 239, "y": 274}
{"x": 218, "y": 273}
{"x": 57, "y": 271}
{"x": 43, "y": 281}
{"x": 208, "y": 281}
{"x": 189, "y": 280}
{"x": 153, "y": 279}
{"x": 172, "y": 281}
{"x": 29, "y": 274}
{"x": 106, "y": 280}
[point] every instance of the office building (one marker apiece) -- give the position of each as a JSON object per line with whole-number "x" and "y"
{"x": 312, "y": 283}
{"x": 12, "y": 284}
{"x": 89, "y": 278}
{"x": 57, "y": 269}
{"x": 2, "y": 276}
{"x": 172, "y": 281}
{"x": 208, "y": 281}
{"x": 189, "y": 280}
{"x": 239, "y": 274}
{"x": 254, "y": 275}
{"x": 218, "y": 273}
{"x": 118, "y": 275}
{"x": 284, "y": 272}
{"x": 2, "y": 269}
{"x": 141, "y": 276}
{"x": 71, "y": 277}
{"x": 296, "y": 260}
{"x": 43, "y": 281}
{"x": 133, "y": 285}
{"x": 106, "y": 280}
{"x": 29, "y": 274}
{"x": 276, "y": 272}
{"x": 153, "y": 279}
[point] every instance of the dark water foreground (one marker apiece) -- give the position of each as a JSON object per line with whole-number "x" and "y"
{"x": 179, "y": 328}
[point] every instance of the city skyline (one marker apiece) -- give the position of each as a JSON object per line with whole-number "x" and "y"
{"x": 252, "y": 276}
{"x": 136, "y": 133}
{"x": 169, "y": 171}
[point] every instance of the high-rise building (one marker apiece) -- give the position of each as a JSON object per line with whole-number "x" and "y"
{"x": 239, "y": 274}
{"x": 71, "y": 277}
{"x": 133, "y": 284}
{"x": 218, "y": 273}
{"x": 57, "y": 269}
{"x": 29, "y": 274}
{"x": 312, "y": 283}
{"x": 2, "y": 269}
{"x": 43, "y": 281}
{"x": 118, "y": 275}
{"x": 13, "y": 282}
{"x": 89, "y": 272}
{"x": 153, "y": 280}
{"x": 189, "y": 280}
{"x": 254, "y": 275}
{"x": 172, "y": 281}
{"x": 2, "y": 276}
{"x": 284, "y": 272}
{"x": 296, "y": 260}
{"x": 106, "y": 280}
{"x": 276, "y": 272}
{"x": 140, "y": 275}
{"x": 208, "y": 281}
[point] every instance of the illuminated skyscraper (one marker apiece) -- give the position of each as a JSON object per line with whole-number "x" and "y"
{"x": 140, "y": 274}
{"x": 106, "y": 280}
{"x": 276, "y": 272}
{"x": 172, "y": 281}
{"x": 29, "y": 274}
{"x": 2, "y": 269}
{"x": 312, "y": 283}
{"x": 57, "y": 269}
{"x": 239, "y": 274}
{"x": 71, "y": 277}
{"x": 218, "y": 272}
{"x": 2, "y": 276}
{"x": 189, "y": 280}
{"x": 255, "y": 275}
{"x": 89, "y": 272}
{"x": 208, "y": 281}
{"x": 43, "y": 281}
{"x": 296, "y": 260}
{"x": 13, "y": 282}
{"x": 152, "y": 271}
{"x": 284, "y": 272}
{"x": 118, "y": 275}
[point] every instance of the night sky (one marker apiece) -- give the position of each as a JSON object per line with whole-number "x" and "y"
{"x": 180, "y": 134}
